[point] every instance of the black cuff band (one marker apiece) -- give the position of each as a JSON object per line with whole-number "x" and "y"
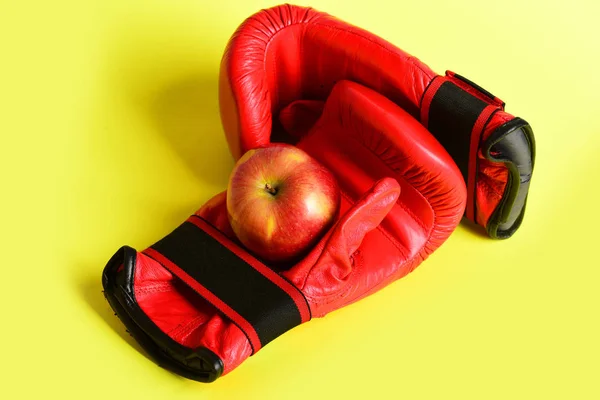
{"x": 262, "y": 303}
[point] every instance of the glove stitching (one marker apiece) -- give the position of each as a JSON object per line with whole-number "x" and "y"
{"x": 182, "y": 327}
{"x": 156, "y": 288}
{"x": 384, "y": 281}
{"x": 396, "y": 173}
{"x": 318, "y": 15}
{"x": 357, "y": 259}
{"x": 397, "y": 244}
{"x": 190, "y": 331}
{"x": 410, "y": 261}
{"x": 408, "y": 58}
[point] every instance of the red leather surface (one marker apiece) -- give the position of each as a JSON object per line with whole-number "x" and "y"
{"x": 299, "y": 116}
{"x": 492, "y": 177}
{"x": 403, "y": 196}
{"x": 219, "y": 306}
{"x": 289, "y": 53}
{"x": 282, "y": 62}
{"x": 476, "y": 134}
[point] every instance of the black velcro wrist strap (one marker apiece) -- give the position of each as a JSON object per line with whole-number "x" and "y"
{"x": 262, "y": 303}
{"x": 456, "y": 111}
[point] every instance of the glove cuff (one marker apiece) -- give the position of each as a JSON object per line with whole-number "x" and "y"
{"x": 199, "y": 364}
{"x": 259, "y": 301}
{"x": 494, "y": 150}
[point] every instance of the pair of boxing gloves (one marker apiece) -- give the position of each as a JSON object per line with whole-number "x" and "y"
{"x": 413, "y": 152}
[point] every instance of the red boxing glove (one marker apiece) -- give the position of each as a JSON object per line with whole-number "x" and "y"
{"x": 200, "y": 304}
{"x": 282, "y": 63}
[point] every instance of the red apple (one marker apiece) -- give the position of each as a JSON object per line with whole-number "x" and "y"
{"x": 280, "y": 201}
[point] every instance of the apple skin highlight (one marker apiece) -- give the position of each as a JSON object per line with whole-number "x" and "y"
{"x": 280, "y": 201}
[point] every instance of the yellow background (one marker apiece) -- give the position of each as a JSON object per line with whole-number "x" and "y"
{"x": 111, "y": 135}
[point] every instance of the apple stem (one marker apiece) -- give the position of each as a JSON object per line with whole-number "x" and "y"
{"x": 270, "y": 188}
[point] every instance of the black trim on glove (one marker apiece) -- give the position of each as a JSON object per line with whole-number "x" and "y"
{"x": 198, "y": 364}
